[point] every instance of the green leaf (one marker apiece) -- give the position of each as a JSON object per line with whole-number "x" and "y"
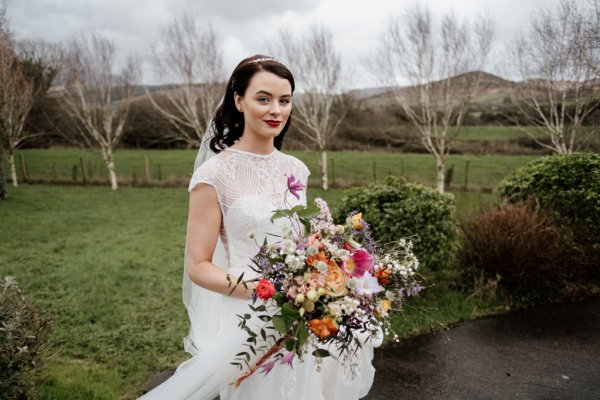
{"x": 289, "y": 313}
{"x": 321, "y": 353}
{"x": 289, "y": 345}
{"x": 280, "y": 324}
{"x": 301, "y": 334}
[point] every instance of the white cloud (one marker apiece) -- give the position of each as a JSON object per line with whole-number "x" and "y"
{"x": 245, "y": 26}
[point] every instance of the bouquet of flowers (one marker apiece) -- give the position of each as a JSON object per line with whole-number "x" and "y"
{"x": 323, "y": 284}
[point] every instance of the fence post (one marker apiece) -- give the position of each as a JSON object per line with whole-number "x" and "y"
{"x": 159, "y": 173}
{"x": 134, "y": 176}
{"x": 24, "y": 171}
{"x": 74, "y": 173}
{"x": 146, "y": 170}
{"x": 83, "y": 170}
{"x": 54, "y": 172}
{"x": 466, "y": 174}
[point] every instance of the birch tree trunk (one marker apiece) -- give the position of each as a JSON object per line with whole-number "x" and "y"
{"x": 324, "y": 169}
{"x": 439, "y": 178}
{"x": 13, "y": 168}
{"x": 107, "y": 155}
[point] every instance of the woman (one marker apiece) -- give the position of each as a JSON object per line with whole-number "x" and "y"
{"x": 232, "y": 196}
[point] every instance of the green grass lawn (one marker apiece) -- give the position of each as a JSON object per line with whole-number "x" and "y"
{"x": 349, "y": 168}
{"x": 108, "y": 267}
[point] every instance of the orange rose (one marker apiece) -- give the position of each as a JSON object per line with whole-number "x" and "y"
{"x": 320, "y": 256}
{"x": 335, "y": 283}
{"x": 323, "y": 328}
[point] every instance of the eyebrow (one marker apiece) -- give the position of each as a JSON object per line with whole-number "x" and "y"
{"x": 269, "y": 94}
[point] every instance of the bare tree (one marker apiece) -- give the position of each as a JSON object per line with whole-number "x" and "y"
{"x": 95, "y": 98}
{"x": 5, "y": 36}
{"x": 557, "y": 58}
{"x": 16, "y": 99}
{"x": 189, "y": 56}
{"x": 443, "y": 62}
{"x": 322, "y": 105}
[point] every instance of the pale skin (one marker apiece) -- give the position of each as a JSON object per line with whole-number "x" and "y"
{"x": 267, "y": 98}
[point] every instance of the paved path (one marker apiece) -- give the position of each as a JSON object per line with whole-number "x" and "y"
{"x": 545, "y": 352}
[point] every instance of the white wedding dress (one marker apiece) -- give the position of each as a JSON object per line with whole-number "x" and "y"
{"x": 249, "y": 187}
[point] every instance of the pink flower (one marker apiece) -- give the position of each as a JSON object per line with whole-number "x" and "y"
{"x": 287, "y": 359}
{"x": 294, "y": 186}
{"x": 359, "y": 263}
{"x": 266, "y": 368}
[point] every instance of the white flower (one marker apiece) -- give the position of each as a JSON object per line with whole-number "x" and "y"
{"x": 352, "y": 283}
{"x": 321, "y": 267}
{"x": 339, "y": 229}
{"x": 294, "y": 262}
{"x": 299, "y": 298}
{"x": 286, "y": 230}
{"x": 312, "y": 295}
{"x": 312, "y": 250}
{"x": 288, "y": 247}
{"x": 368, "y": 285}
{"x": 301, "y": 311}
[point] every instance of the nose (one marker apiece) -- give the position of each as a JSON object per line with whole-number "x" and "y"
{"x": 275, "y": 108}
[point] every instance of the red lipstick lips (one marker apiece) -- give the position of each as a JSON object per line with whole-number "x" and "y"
{"x": 273, "y": 123}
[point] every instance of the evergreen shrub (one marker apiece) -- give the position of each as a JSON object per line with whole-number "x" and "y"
{"x": 395, "y": 209}
{"x": 567, "y": 186}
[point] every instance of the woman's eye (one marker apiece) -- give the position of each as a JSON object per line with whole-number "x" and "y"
{"x": 263, "y": 99}
{"x": 285, "y": 102}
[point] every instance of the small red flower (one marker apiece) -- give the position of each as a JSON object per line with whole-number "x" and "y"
{"x": 265, "y": 289}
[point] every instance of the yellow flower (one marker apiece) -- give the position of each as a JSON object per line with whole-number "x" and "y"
{"x": 382, "y": 308}
{"x": 356, "y": 221}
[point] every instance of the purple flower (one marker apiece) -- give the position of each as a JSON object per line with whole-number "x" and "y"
{"x": 287, "y": 359}
{"x": 294, "y": 186}
{"x": 266, "y": 368}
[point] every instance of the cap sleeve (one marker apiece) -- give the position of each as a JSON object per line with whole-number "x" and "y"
{"x": 206, "y": 173}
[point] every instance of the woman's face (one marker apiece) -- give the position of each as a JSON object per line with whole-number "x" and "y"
{"x": 266, "y": 105}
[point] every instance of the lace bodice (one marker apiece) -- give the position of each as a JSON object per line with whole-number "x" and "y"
{"x": 249, "y": 188}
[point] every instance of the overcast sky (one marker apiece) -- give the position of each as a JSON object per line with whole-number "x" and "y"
{"x": 244, "y": 26}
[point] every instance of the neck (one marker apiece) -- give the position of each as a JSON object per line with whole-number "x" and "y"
{"x": 263, "y": 147}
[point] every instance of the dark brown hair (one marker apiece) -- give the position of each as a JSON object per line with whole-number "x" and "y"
{"x": 228, "y": 122}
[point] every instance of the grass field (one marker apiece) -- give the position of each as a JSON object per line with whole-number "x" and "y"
{"x": 349, "y": 168}
{"x": 107, "y": 266}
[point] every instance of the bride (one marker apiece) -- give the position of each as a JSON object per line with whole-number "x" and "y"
{"x": 232, "y": 196}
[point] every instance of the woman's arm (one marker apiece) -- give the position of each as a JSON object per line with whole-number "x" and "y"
{"x": 203, "y": 231}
